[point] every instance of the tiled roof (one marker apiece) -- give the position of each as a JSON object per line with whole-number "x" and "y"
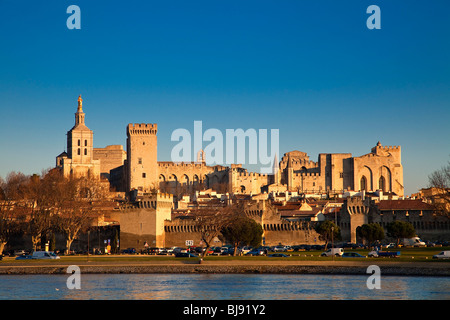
{"x": 384, "y": 205}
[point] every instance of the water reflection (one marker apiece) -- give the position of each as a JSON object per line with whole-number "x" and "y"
{"x": 222, "y": 286}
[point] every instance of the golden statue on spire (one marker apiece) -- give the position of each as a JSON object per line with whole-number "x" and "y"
{"x": 80, "y": 104}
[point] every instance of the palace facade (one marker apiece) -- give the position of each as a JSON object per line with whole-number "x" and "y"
{"x": 138, "y": 167}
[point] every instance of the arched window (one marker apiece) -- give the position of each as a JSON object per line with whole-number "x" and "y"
{"x": 382, "y": 184}
{"x": 363, "y": 183}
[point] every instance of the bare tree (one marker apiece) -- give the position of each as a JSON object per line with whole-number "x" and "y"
{"x": 42, "y": 200}
{"x": 210, "y": 221}
{"x": 48, "y": 202}
{"x": 75, "y": 205}
{"x": 11, "y": 206}
{"x": 439, "y": 180}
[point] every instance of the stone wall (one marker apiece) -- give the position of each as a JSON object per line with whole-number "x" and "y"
{"x": 110, "y": 157}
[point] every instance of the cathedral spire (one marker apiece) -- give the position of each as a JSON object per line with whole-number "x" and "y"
{"x": 79, "y": 115}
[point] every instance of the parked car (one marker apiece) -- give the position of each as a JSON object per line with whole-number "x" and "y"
{"x": 302, "y": 247}
{"x": 279, "y": 248}
{"x": 389, "y": 254}
{"x": 44, "y": 255}
{"x": 255, "y": 252}
{"x": 151, "y": 250}
{"x": 246, "y": 250}
{"x": 129, "y": 251}
{"x": 442, "y": 255}
{"x": 414, "y": 242}
{"x": 430, "y": 243}
{"x": 349, "y": 245}
{"x": 333, "y": 252}
{"x": 198, "y": 250}
{"x": 24, "y": 257}
{"x": 278, "y": 255}
{"x": 185, "y": 255}
{"x": 352, "y": 255}
{"x": 19, "y": 252}
{"x": 179, "y": 250}
{"x": 228, "y": 251}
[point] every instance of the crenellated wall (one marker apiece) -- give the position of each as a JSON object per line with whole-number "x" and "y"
{"x": 143, "y": 221}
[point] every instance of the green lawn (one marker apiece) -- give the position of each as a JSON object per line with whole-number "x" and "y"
{"x": 407, "y": 254}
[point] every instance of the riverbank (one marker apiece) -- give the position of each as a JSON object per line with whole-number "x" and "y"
{"x": 116, "y": 266}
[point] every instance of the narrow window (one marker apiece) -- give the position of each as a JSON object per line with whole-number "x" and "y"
{"x": 79, "y": 142}
{"x": 143, "y": 175}
{"x": 79, "y": 151}
{"x": 85, "y": 152}
{"x": 382, "y": 183}
{"x": 363, "y": 183}
{"x": 85, "y": 143}
{"x": 139, "y": 160}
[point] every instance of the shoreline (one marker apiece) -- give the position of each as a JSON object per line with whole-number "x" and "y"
{"x": 229, "y": 267}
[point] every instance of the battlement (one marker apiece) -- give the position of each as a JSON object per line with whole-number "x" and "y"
{"x": 169, "y": 164}
{"x": 301, "y": 162}
{"x": 385, "y": 148}
{"x": 307, "y": 174}
{"x": 142, "y": 129}
{"x": 149, "y": 202}
{"x": 251, "y": 174}
{"x": 164, "y": 197}
{"x": 391, "y": 148}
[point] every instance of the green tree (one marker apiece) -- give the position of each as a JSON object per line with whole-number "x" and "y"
{"x": 400, "y": 229}
{"x": 328, "y": 231}
{"x": 370, "y": 232}
{"x": 243, "y": 231}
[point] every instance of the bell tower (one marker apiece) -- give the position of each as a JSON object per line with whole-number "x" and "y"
{"x": 80, "y": 148}
{"x": 80, "y": 138}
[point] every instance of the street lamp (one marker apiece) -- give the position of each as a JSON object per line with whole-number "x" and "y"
{"x": 88, "y": 244}
{"x": 332, "y": 242}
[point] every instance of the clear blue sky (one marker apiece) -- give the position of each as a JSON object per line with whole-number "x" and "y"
{"x": 311, "y": 69}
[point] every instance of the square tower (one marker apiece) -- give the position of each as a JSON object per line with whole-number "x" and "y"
{"x": 142, "y": 163}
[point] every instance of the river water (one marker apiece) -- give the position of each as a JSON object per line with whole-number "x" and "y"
{"x": 222, "y": 287}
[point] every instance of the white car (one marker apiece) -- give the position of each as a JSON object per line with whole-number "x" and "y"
{"x": 442, "y": 255}
{"x": 279, "y": 249}
{"x": 246, "y": 250}
{"x": 44, "y": 255}
{"x": 333, "y": 252}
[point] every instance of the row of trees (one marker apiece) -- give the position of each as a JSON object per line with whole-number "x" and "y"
{"x": 371, "y": 232}
{"x": 47, "y": 204}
